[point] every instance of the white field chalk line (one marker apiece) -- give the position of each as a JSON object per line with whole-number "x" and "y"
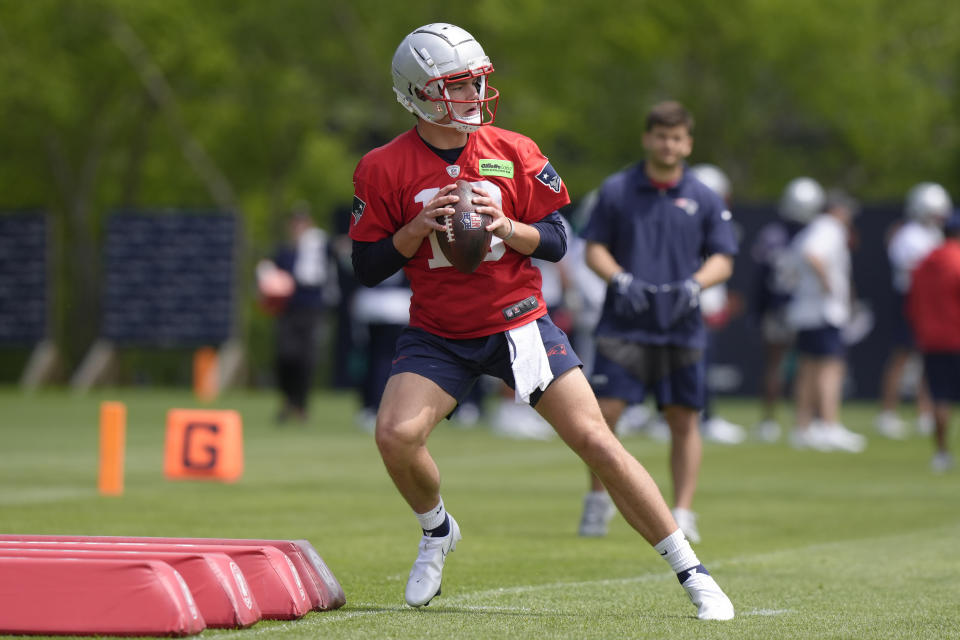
{"x": 39, "y": 495}
{"x": 766, "y": 612}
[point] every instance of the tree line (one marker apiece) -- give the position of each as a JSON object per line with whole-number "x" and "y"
{"x": 250, "y": 107}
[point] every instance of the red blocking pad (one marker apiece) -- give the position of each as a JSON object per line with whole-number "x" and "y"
{"x": 331, "y": 593}
{"x": 215, "y": 581}
{"x": 322, "y": 588}
{"x": 269, "y": 573}
{"x": 68, "y": 596}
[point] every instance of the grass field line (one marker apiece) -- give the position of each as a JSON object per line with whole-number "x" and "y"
{"x": 35, "y": 495}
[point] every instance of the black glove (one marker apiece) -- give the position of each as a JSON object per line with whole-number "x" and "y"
{"x": 685, "y": 299}
{"x": 630, "y": 295}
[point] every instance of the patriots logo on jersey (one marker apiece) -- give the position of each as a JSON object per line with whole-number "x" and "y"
{"x": 688, "y": 205}
{"x": 471, "y": 220}
{"x": 557, "y": 350}
{"x": 358, "y": 207}
{"x": 550, "y": 178}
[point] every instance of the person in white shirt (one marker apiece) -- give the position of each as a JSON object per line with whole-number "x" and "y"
{"x": 818, "y": 310}
{"x": 802, "y": 200}
{"x": 927, "y": 207}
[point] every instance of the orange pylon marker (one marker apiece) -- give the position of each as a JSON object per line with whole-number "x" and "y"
{"x": 204, "y": 444}
{"x": 205, "y": 383}
{"x": 113, "y": 432}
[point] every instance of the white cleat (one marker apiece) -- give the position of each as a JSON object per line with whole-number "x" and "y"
{"x": 723, "y": 431}
{"x": 658, "y": 429}
{"x": 890, "y": 426}
{"x": 813, "y": 436}
{"x": 842, "y": 439}
{"x": 712, "y": 603}
{"x": 520, "y": 421}
{"x": 634, "y": 419}
{"x": 942, "y": 462}
{"x": 598, "y": 510}
{"x": 687, "y": 521}
{"x": 767, "y": 431}
{"x": 427, "y": 572}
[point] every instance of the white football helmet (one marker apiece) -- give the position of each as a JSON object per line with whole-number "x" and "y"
{"x": 431, "y": 58}
{"x": 929, "y": 203}
{"x": 713, "y": 177}
{"x": 802, "y": 200}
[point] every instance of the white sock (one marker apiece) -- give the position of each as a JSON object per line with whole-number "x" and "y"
{"x": 677, "y": 552}
{"x": 433, "y": 518}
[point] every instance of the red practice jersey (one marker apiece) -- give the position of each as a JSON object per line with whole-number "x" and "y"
{"x": 933, "y": 303}
{"x": 392, "y": 184}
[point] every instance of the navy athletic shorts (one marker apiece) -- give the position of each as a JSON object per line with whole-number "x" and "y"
{"x": 455, "y": 365}
{"x": 627, "y": 370}
{"x": 943, "y": 376}
{"x": 823, "y": 341}
{"x": 901, "y": 334}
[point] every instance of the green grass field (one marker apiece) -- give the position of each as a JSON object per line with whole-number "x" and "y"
{"x": 807, "y": 545}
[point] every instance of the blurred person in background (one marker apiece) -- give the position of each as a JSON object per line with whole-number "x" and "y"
{"x": 926, "y": 208}
{"x": 584, "y": 297}
{"x": 585, "y": 300}
{"x": 802, "y": 200}
{"x": 818, "y": 310}
{"x": 296, "y": 285}
{"x": 933, "y": 307}
{"x": 714, "y": 304}
{"x": 492, "y": 321}
{"x": 657, "y": 236}
{"x": 378, "y": 316}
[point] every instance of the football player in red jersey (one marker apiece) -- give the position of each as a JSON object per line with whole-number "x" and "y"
{"x": 491, "y": 321}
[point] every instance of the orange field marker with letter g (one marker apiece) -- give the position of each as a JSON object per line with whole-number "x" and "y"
{"x": 113, "y": 430}
{"x": 204, "y": 444}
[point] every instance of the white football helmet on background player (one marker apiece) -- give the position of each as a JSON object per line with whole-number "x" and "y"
{"x": 802, "y": 200}
{"x": 713, "y": 177}
{"x": 434, "y": 56}
{"x": 928, "y": 203}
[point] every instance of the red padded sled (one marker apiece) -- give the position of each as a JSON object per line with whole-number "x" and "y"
{"x": 269, "y": 573}
{"x": 68, "y": 596}
{"x": 216, "y": 582}
{"x": 322, "y": 588}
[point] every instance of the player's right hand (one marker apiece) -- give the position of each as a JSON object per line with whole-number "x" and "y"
{"x": 631, "y": 296}
{"x": 426, "y": 221}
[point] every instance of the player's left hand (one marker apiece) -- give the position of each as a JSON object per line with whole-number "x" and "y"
{"x": 500, "y": 226}
{"x": 685, "y": 297}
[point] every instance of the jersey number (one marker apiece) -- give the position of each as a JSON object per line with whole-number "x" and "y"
{"x": 497, "y": 248}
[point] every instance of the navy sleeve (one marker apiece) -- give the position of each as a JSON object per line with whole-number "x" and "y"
{"x": 553, "y": 238}
{"x": 720, "y": 236}
{"x": 374, "y": 262}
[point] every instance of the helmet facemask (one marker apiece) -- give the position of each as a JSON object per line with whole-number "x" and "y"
{"x": 484, "y": 106}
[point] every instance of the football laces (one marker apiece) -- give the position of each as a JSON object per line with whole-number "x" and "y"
{"x": 448, "y": 223}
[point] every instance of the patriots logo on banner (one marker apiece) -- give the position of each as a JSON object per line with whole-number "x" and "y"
{"x": 358, "y": 207}
{"x": 453, "y": 170}
{"x": 550, "y": 178}
{"x": 471, "y": 220}
{"x": 688, "y": 205}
